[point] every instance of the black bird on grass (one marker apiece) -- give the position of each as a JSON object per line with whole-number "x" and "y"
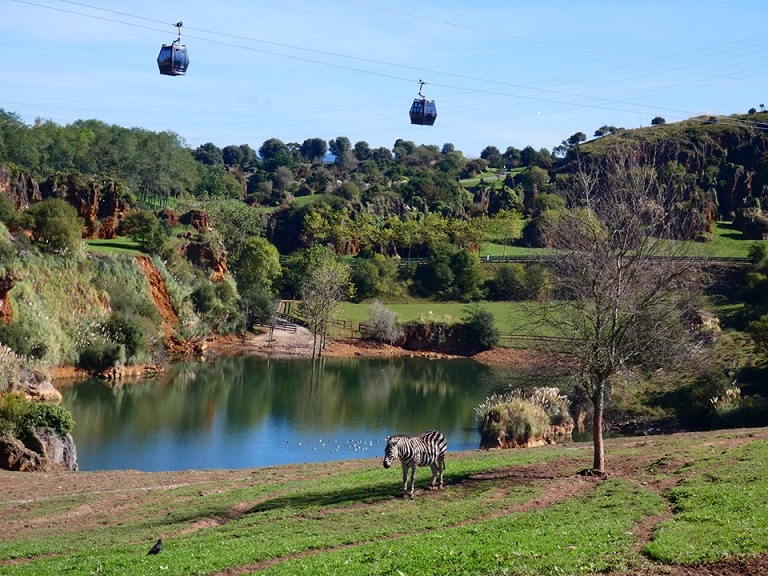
{"x": 157, "y": 548}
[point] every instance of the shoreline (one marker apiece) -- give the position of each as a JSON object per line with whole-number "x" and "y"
{"x": 299, "y": 345}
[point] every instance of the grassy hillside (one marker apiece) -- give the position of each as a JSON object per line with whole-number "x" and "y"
{"x": 669, "y": 502}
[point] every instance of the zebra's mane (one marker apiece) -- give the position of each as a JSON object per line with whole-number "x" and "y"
{"x": 397, "y": 437}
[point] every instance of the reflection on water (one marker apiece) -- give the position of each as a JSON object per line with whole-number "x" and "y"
{"x": 246, "y": 411}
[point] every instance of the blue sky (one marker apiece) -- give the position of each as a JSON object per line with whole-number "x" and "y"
{"x": 502, "y": 72}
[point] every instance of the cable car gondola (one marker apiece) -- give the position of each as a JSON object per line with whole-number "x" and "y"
{"x": 173, "y": 59}
{"x": 423, "y": 111}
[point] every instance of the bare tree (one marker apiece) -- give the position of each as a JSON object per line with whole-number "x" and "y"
{"x": 325, "y": 286}
{"x": 625, "y": 288}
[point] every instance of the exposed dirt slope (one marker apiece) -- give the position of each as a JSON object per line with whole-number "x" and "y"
{"x": 160, "y": 295}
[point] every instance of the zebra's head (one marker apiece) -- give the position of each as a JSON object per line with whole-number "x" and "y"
{"x": 390, "y": 452}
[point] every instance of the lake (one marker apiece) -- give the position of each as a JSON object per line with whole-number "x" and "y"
{"x": 248, "y": 411}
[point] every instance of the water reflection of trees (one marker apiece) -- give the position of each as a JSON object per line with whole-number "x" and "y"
{"x": 240, "y": 393}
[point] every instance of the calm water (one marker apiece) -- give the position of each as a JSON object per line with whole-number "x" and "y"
{"x": 242, "y": 412}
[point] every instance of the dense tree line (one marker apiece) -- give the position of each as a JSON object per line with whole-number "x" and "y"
{"x": 381, "y": 203}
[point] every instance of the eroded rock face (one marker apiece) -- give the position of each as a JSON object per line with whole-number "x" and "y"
{"x": 47, "y": 453}
{"x": 19, "y": 187}
{"x": 197, "y": 219}
{"x": 205, "y": 257}
{"x": 7, "y": 283}
{"x": 99, "y": 203}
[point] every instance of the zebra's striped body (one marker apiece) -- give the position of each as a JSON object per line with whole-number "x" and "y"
{"x": 428, "y": 449}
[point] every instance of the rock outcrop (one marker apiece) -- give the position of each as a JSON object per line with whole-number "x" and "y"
{"x": 99, "y": 203}
{"x": 19, "y": 187}
{"x": 47, "y": 452}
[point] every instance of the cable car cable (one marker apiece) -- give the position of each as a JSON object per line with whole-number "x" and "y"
{"x": 391, "y": 76}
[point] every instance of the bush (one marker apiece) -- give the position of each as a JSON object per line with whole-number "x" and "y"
{"x": 514, "y": 420}
{"x": 556, "y": 405}
{"x": 20, "y": 338}
{"x": 55, "y": 224}
{"x": 100, "y": 355}
{"x": 482, "y": 333}
{"x": 734, "y": 410}
{"x": 126, "y": 330}
{"x": 7, "y": 254}
{"x": 7, "y": 211}
{"x": 145, "y": 228}
{"x": 204, "y": 298}
{"x": 382, "y": 324}
{"x": 510, "y": 421}
{"x": 367, "y": 280}
{"x": 21, "y": 418}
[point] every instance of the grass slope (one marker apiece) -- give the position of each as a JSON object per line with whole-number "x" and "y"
{"x": 672, "y": 500}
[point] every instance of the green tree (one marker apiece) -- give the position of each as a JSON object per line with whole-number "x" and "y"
{"x": 232, "y": 156}
{"x": 235, "y": 223}
{"x": 55, "y": 224}
{"x": 209, "y": 154}
{"x": 256, "y": 271}
{"x": 492, "y": 155}
{"x": 468, "y": 276}
{"x": 145, "y": 228}
{"x": 482, "y": 333}
{"x": 314, "y": 149}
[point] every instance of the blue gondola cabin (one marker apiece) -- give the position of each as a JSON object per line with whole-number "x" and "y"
{"x": 423, "y": 112}
{"x": 173, "y": 59}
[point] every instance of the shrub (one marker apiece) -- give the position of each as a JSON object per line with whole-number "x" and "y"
{"x": 144, "y": 228}
{"x": 515, "y": 420}
{"x": 126, "y": 330}
{"x": 20, "y": 338}
{"x": 7, "y": 254}
{"x": 508, "y": 284}
{"x": 21, "y": 418}
{"x": 510, "y": 421}
{"x": 101, "y": 354}
{"x": 55, "y": 224}
{"x": 7, "y": 211}
{"x": 382, "y": 324}
{"x": 732, "y": 410}
{"x": 556, "y": 405}
{"x": 204, "y": 298}
{"x": 756, "y": 253}
{"x": 482, "y": 333}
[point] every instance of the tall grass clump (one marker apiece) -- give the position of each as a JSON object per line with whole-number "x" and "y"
{"x": 512, "y": 419}
{"x": 736, "y": 410}
{"x": 16, "y": 369}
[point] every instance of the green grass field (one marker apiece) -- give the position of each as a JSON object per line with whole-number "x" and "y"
{"x": 510, "y": 317}
{"x": 119, "y": 245}
{"x": 668, "y": 500}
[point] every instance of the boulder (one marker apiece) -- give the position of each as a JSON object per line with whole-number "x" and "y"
{"x": 47, "y": 453}
{"x": 197, "y": 219}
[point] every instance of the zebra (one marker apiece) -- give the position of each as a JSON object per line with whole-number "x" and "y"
{"x": 428, "y": 449}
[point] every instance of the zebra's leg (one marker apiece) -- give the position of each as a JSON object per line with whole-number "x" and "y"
{"x": 434, "y": 469}
{"x": 405, "y": 480}
{"x": 441, "y": 467}
{"x": 413, "y": 478}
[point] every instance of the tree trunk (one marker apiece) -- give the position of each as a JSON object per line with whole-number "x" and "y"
{"x": 598, "y": 464}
